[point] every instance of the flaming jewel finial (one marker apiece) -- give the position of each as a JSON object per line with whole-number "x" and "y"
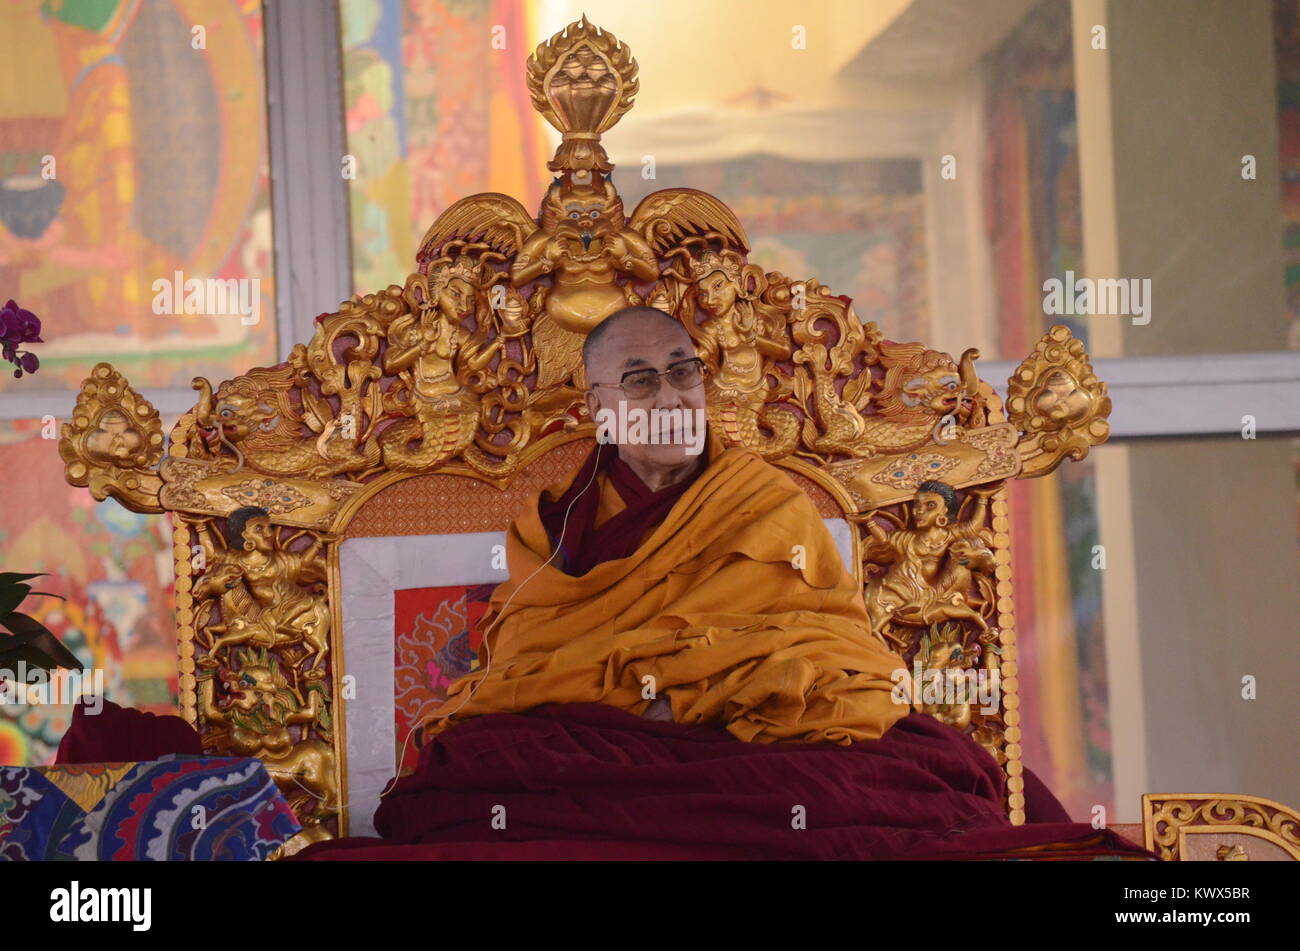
{"x": 582, "y": 80}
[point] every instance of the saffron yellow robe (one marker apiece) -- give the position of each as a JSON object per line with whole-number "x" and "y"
{"x": 711, "y": 606}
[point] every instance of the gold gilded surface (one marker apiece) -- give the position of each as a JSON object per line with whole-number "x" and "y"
{"x": 113, "y": 442}
{"x": 264, "y": 686}
{"x": 1056, "y": 400}
{"x": 471, "y": 367}
{"x": 207, "y": 488}
{"x": 1168, "y": 818}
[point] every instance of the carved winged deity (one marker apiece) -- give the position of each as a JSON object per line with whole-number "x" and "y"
{"x": 568, "y": 261}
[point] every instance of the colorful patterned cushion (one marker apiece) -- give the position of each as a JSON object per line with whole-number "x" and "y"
{"x": 171, "y": 809}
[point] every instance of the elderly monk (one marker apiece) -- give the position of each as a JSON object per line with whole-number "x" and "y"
{"x": 700, "y": 586}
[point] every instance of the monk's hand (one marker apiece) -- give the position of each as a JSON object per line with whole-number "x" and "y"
{"x": 659, "y": 709}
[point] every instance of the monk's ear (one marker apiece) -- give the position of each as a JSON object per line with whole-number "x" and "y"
{"x": 593, "y": 403}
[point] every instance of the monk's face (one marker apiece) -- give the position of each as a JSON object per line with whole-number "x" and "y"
{"x": 649, "y": 345}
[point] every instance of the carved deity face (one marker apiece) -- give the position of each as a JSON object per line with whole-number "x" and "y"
{"x": 259, "y": 532}
{"x": 114, "y": 440}
{"x": 717, "y": 293}
{"x": 456, "y": 300}
{"x": 585, "y": 219}
{"x": 927, "y": 508}
{"x": 251, "y": 687}
{"x": 1061, "y": 400}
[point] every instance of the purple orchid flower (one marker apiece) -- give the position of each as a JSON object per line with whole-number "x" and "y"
{"x": 19, "y": 326}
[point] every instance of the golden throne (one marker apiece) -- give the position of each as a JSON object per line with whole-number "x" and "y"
{"x": 434, "y": 407}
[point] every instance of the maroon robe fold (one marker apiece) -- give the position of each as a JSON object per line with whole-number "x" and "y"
{"x": 592, "y": 781}
{"x": 584, "y": 545}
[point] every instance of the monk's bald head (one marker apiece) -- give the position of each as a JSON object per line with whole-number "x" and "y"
{"x": 631, "y": 325}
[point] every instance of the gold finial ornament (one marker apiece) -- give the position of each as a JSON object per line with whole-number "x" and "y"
{"x": 582, "y": 80}
{"x": 1056, "y": 400}
{"x": 114, "y": 442}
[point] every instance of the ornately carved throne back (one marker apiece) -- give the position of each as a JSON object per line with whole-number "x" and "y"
{"x": 434, "y": 408}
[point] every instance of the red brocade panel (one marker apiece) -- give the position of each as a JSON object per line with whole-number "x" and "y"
{"x": 435, "y": 641}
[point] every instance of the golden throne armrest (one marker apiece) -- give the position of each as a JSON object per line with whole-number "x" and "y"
{"x": 1219, "y": 827}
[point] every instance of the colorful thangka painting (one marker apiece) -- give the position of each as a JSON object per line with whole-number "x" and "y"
{"x": 1034, "y": 224}
{"x": 436, "y": 110}
{"x": 1286, "y": 36}
{"x": 133, "y": 165}
{"x": 114, "y": 570}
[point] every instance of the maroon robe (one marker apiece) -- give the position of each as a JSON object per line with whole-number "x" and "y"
{"x": 584, "y": 545}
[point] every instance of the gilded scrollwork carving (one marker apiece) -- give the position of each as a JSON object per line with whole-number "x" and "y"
{"x": 1168, "y": 818}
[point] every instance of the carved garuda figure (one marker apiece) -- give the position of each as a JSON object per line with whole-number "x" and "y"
{"x": 472, "y": 367}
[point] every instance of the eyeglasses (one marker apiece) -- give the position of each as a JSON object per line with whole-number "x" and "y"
{"x": 643, "y": 384}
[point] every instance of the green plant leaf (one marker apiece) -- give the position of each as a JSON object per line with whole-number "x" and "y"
{"x": 31, "y": 655}
{"x": 9, "y": 577}
{"x": 28, "y": 632}
{"x": 12, "y": 596}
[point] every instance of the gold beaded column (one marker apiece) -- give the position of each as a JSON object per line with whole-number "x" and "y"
{"x": 1007, "y": 642}
{"x": 1006, "y": 624}
{"x": 187, "y": 685}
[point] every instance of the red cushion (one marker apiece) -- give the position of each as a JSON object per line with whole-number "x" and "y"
{"x": 124, "y": 735}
